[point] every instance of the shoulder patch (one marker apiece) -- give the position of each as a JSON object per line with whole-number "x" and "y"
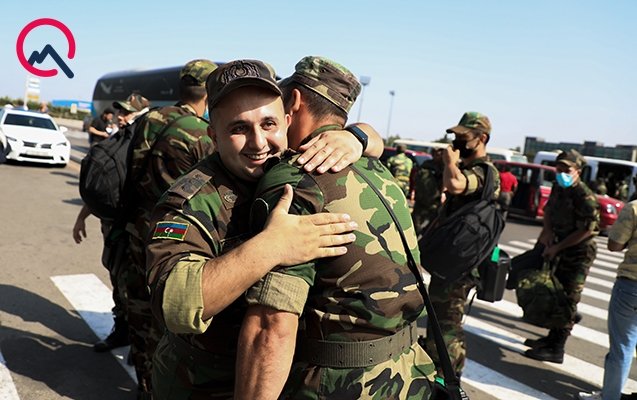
{"x": 170, "y": 230}
{"x": 189, "y": 184}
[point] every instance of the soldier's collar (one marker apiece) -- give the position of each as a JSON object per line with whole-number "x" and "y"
{"x": 188, "y": 108}
{"x": 321, "y": 129}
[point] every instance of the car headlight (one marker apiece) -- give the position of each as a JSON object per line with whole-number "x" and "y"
{"x": 610, "y": 209}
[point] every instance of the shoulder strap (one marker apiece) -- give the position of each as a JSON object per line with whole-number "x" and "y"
{"x": 488, "y": 189}
{"x": 451, "y": 380}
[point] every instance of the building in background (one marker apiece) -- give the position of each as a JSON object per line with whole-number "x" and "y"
{"x": 620, "y": 152}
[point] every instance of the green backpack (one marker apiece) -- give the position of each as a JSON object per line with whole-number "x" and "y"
{"x": 542, "y": 298}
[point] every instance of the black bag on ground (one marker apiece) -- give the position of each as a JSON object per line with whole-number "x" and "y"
{"x": 451, "y": 248}
{"x": 103, "y": 175}
{"x": 542, "y": 298}
{"x": 529, "y": 260}
{"x": 493, "y": 276}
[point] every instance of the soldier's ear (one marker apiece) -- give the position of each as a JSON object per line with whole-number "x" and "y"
{"x": 296, "y": 101}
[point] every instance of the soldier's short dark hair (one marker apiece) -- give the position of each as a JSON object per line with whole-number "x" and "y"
{"x": 317, "y": 105}
{"x": 189, "y": 92}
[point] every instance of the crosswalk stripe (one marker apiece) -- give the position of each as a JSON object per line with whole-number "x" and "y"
{"x": 93, "y": 301}
{"x": 498, "y": 385}
{"x": 8, "y": 390}
{"x": 573, "y": 366}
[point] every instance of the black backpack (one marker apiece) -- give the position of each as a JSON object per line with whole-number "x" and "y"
{"x": 103, "y": 175}
{"x": 453, "y": 246}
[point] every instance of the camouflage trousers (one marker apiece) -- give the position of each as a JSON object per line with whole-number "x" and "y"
{"x": 407, "y": 376}
{"x": 572, "y": 269}
{"x": 117, "y": 277}
{"x": 449, "y": 302}
{"x": 144, "y": 329}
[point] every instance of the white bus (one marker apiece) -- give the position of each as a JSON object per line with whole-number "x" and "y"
{"x": 495, "y": 153}
{"x": 612, "y": 170}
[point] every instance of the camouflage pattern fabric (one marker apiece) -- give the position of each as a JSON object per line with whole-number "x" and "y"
{"x": 624, "y": 230}
{"x": 214, "y": 206}
{"x": 400, "y": 166}
{"x": 472, "y": 122}
{"x": 366, "y": 294}
{"x": 570, "y": 210}
{"x": 329, "y": 79}
{"x": 449, "y": 299}
{"x": 181, "y": 145}
{"x": 428, "y": 193}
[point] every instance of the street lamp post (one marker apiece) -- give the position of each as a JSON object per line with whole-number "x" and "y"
{"x": 364, "y": 82}
{"x": 391, "y": 107}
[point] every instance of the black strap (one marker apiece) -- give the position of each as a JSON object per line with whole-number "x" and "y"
{"x": 451, "y": 380}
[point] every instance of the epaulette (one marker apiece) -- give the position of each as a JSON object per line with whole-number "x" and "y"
{"x": 190, "y": 184}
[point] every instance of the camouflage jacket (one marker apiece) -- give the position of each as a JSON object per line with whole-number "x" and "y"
{"x": 203, "y": 215}
{"x": 428, "y": 185}
{"x": 183, "y": 143}
{"x": 400, "y": 166}
{"x": 572, "y": 209}
{"x": 475, "y": 174}
{"x": 365, "y": 294}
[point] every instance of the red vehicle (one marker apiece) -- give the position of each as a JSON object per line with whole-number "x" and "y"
{"x": 534, "y": 187}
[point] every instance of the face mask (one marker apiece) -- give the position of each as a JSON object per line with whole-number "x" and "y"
{"x": 461, "y": 146}
{"x": 206, "y": 115}
{"x": 564, "y": 180}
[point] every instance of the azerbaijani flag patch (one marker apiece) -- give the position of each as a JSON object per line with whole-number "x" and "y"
{"x": 170, "y": 230}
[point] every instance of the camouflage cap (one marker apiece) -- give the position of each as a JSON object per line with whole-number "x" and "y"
{"x": 239, "y": 73}
{"x": 571, "y": 158}
{"x": 134, "y": 103}
{"x": 198, "y": 70}
{"x": 472, "y": 122}
{"x": 327, "y": 78}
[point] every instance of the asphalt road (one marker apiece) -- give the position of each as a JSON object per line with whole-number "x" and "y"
{"x": 54, "y": 304}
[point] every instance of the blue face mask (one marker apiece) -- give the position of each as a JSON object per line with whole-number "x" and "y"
{"x": 206, "y": 115}
{"x": 564, "y": 180}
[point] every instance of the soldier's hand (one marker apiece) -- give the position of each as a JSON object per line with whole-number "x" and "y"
{"x": 450, "y": 156}
{"x": 79, "y": 230}
{"x": 330, "y": 149}
{"x": 298, "y": 239}
{"x": 550, "y": 252}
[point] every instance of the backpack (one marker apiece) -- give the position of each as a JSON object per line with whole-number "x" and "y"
{"x": 104, "y": 172}
{"x": 453, "y": 247}
{"x": 103, "y": 175}
{"x": 542, "y": 298}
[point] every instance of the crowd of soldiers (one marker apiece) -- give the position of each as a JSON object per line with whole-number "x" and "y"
{"x": 257, "y": 247}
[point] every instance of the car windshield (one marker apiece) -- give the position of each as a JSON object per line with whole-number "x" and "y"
{"x": 29, "y": 120}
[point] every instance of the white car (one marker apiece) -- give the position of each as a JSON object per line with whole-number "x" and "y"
{"x": 34, "y": 137}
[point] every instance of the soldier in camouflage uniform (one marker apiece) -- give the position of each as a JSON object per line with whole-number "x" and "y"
{"x": 400, "y": 166}
{"x": 367, "y": 296}
{"x": 168, "y": 142}
{"x": 571, "y": 220}
{"x": 463, "y": 183}
{"x": 201, "y": 257}
{"x": 428, "y": 190}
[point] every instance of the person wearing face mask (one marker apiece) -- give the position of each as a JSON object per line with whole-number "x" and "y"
{"x": 571, "y": 221}
{"x": 463, "y": 178}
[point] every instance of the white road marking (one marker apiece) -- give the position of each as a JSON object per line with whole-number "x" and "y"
{"x": 93, "y": 301}
{"x": 7, "y": 387}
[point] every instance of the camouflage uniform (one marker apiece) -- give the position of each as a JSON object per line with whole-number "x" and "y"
{"x": 366, "y": 294}
{"x": 400, "y": 166}
{"x": 178, "y": 139}
{"x": 569, "y": 210}
{"x": 428, "y": 192}
{"x": 449, "y": 299}
{"x": 209, "y": 209}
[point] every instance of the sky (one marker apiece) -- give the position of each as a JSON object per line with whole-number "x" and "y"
{"x": 559, "y": 70}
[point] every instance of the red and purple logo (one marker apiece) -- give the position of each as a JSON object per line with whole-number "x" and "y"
{"x": 48, "y": 50}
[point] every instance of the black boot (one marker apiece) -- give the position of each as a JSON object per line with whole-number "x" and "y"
{"x": 553, "y": 350}
{"x": 117, "y": 338}
{"x": 542, "y": 341}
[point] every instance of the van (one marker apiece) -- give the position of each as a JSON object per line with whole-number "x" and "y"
{"x": 495, "y": 153}
{"x": 611, "y": 170}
